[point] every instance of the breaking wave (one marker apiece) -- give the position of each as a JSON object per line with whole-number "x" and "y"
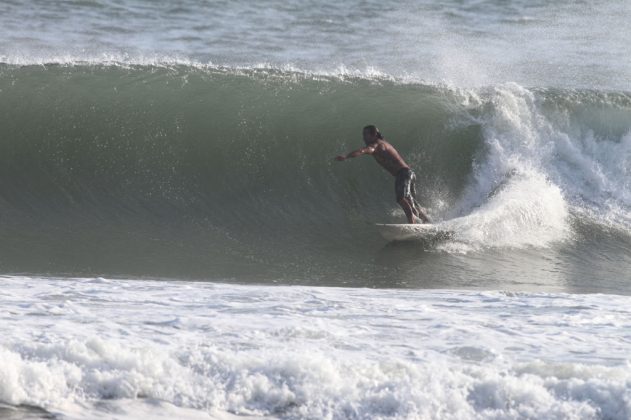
{"x": 236, "y": 163}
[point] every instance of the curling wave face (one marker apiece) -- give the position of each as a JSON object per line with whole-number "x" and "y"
{"x": 195, "y": 171}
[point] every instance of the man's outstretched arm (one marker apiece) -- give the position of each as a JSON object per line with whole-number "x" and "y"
{"x": 363, "y": 151}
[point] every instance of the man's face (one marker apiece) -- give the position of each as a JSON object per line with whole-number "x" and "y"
{"x": 369, "y": 138}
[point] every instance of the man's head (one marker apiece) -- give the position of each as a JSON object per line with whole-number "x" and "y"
{"x": 371, "y": 134}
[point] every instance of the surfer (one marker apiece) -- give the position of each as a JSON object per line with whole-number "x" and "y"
{"x": 388, "y": 157}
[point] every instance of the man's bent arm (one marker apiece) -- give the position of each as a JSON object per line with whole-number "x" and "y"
{"x": 358, "y": 152}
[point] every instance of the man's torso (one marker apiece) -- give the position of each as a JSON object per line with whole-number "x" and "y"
{"x": 388, "y": 157}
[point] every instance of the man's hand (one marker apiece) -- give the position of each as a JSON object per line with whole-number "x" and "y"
{"x": 340, "y": 158}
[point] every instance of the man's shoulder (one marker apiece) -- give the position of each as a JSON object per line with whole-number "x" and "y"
{"x": 384, "y": 145}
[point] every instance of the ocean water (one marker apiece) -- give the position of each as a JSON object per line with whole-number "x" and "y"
{"x": 97, "y": 348}
{"x": 177, "y": 240}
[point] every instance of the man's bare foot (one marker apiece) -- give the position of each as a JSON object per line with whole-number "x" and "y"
{"x": 422, "y": 220}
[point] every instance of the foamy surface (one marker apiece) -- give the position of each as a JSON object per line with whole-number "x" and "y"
{"x": 103, "y": 348}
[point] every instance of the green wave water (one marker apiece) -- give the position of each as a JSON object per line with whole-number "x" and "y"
{"x": 210, "y": 172}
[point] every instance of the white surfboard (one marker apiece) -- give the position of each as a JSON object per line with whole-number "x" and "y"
{"x": 411, "y": 232}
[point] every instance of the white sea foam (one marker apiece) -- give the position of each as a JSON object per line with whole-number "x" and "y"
{"x": 288, "y": 70}
{"x": 538, "y": 169}
{"x": 88, "y": 347}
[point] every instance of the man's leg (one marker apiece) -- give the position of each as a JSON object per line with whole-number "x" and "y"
{"x": 422, "y": 215}
{"x": 418, "y": 210}
{"x": 415, "y": 208}
{"x": 407, "y": 208}
{"x": 402, "y": 188}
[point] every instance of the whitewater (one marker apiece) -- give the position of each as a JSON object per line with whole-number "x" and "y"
{"x": 178, "y": 242}
{"x": 119, "y": 348}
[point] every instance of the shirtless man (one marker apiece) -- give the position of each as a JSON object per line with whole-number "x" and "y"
{"x": 391, "y": 161}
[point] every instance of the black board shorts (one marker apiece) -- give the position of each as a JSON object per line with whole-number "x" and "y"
{"x": 404, "y": 184}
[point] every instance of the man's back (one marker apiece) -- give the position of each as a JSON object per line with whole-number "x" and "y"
{"x": 388, "y": 157}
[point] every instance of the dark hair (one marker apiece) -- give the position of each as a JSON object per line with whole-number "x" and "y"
{"x": 373, "y": 130}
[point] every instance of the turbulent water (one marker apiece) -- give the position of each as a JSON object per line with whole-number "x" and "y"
{"x": 195, "y": 141}
{"x": 165, "y": 350}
